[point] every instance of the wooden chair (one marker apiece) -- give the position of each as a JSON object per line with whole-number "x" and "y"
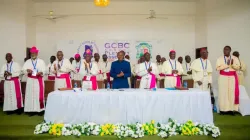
{"x": 190, "y": 83}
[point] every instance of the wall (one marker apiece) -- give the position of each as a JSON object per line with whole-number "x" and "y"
{"x": 178, "y": 31}
{"x": 13, "y": 29}
{"x": 228, "y": 23}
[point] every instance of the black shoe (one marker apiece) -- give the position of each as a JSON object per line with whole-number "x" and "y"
{"x": 41, "y": 113}
{"x": 19, "y": 111}
{"x": 31, "y": 114}
{"x": 222, "y": 113}
{"x": 9, "y": 112}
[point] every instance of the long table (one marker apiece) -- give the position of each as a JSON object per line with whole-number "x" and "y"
{"x": 49, "y": 87}
{"x": 128, "y": 106}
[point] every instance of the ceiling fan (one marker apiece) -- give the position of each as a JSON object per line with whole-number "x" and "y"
{"x": 51, "y": 16}
{"x": 153, "y": 15}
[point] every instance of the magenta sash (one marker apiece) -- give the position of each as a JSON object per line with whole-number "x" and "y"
{"x": 162, "y": 75}
{"x": 108, "y": 78}
{"x": 67, "y": 78}
{"x": 236, "y": 90}
{"x": 41, "y": 89}
{"x": 153, "y": 81}
{"x": 178, "y": 79}
{"x": 93, "y": 80}
{"x": 18, "y": 90}
{"x": 77, "y": 69}
{"x": 52, "y": 78}
{"x": 138, "y": 77}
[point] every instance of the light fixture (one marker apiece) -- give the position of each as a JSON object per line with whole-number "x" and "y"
{"x": 101, "y": 3}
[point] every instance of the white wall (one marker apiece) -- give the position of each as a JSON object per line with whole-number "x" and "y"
{"x": 212, "y": 23}
{"x": 177, "y": 32}
{"x": 228, "y": 23}
{"x": 13, "y": 29}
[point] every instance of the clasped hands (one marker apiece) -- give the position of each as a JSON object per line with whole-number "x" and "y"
{"x": 228, "y": 62}
{"x": 29, "y": 71}
{"x": 6, "y": 73}
{"x": 121, "y": 74}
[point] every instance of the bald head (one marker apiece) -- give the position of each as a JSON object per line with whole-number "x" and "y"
{"x": 236, "y": 54}
{"x": 8, "y": 57}
{"x": 147, "y": 56}
{"x": 187, "y": 58}
{"x": 120, "y": 55}
{"x": 180, "y": 59}
{"x": 97, "y": 57}
{"x": 59, "y": 55}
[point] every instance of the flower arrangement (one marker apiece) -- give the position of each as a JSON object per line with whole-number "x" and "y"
{"x": 137, "y": 130}
{"x": 56, "y": 129}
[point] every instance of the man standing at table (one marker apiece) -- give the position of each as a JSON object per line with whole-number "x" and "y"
{"x": 34, "y": 94}
{"x": 172, "y": 70}
{"x": 228, "y": 66}
{"x": 159, "y": 65}
{"x": 12, "y": 87}
{"x": 51, "y": 75}
{"x": 76, "y": 64}
{"x": 187, "y": 68}
{"x": 100, "y": 76}
{"x": 120, "y": 71}
{"x": 148, "y": 71}
{"x": 202, "y": 71}
{"x": 106, "y": 65}
{"x": 61, "y": 68}
{"x": 242, "y": 69}
{"x": 89, "y": 70}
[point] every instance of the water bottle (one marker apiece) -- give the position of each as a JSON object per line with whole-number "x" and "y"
{"x": 215, "y": 109}
{"x": 108, "y": 86}
{"x": 185, "y": 84}
{"x": 75, "y": 85}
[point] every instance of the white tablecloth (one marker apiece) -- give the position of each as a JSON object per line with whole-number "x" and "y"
{"x": 129, "y": 106}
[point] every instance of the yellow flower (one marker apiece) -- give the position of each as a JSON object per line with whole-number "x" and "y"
{"x": 146, "y": 127}
{"x": 102, "y": 133}
{"x": 50, "y": 131}
{"x": 152, "y": 121}
{"x": 60, "y": 125}
{"x": 59, "y": 133}
{"x": 155, "y": 131}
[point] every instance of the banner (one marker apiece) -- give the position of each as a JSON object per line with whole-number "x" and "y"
{"x": 142, "y": 48}
{"x": 113, "y": 47}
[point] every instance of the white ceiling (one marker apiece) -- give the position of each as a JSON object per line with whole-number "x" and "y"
{"x": 110, "y": 0}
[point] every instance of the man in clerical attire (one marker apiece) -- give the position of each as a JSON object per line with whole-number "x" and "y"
{"x": 243, "y": 68}
{"x": 228, "y": 65}
{"x": 120, "y": 71}
{"x": 160, "y": 76}
{"x": 106, "y": 65}
{"x": 187, "y": 68}
{"x": 51, "y": 75}
{"x": 76, "y": 64}
{"x": 101, "y": 76}
{"x": 202, "y": 71}
{"x": 180, "y": 60}
{"x": 148, "y": 71}
{"x": 61, "y": 68}
{"x": 12, "y": 88}
{"x": 35, "y": 69}
{"x": 172, "y": 70}
{"x": 89, "y": 70}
